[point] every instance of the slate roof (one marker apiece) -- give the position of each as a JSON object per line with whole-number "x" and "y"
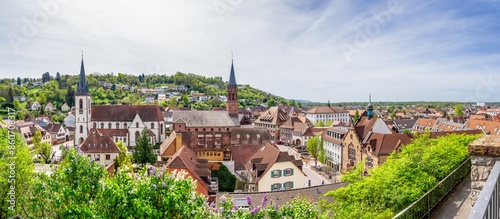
{"x": 364, "y": 126}
{"x": 241, "y": 155}
{"x": 53, "y": 128}
{"x": 125, "y": 113}
{"x": 82, "y": 86}
{"x": 203, "y": 118}
{"x": 232, "y": 77}
{"x": 250, "y": 136}
{"x": 404, "y": 123}
{"x": 96, "y": 142}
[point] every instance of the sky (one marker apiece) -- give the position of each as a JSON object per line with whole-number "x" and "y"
{"x": 342, "y": 50}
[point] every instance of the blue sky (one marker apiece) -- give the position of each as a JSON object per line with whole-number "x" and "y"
{"x": 315, "y": 50}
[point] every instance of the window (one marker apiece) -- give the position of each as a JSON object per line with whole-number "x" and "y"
{"x": 369, "y": 162}
{"x": 116, "y": 139}
{"x": 102, "y": 125}
{"x": 117, "y": 125}
{"x": 81, "y": 103}
{"x": 275, "y": 187}
{"x": 125, "y": 125}
{"x": 108, "y": 157}
{"x": 109, "y": 125}
{"x": 152, "y": 126}
{"x": 288, "y": 172}
{"x": 161, "y": 128}
{"x": 124, "y": 140}
{"x": 81, "y": 129}
{"x": 137, "y": 134}
{"x": 288, "y": 185}
{"x": 276, "y": 174}
{"x": 137, "y": 125}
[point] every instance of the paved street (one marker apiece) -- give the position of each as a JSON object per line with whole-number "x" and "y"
{"x": 55, "y": 148}
{"x": 315, "y": 178}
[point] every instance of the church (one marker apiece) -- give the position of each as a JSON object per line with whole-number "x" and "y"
{"x": 120, "y": 122}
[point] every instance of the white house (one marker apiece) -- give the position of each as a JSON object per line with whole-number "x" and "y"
{"x": 100, "y": 147}
{"x": 273, "y": 170}
{"x": 35, "y": 106}
{"x": 328, "y": 113}
{"x": 332, "y": 142}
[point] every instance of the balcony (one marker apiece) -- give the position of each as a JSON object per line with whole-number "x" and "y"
{"x": 487, "y": 204}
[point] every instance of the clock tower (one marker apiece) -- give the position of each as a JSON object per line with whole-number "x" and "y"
{"x": 232, "y": 95}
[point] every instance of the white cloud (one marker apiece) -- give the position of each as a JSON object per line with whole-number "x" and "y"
{"x": 425, "y": 51}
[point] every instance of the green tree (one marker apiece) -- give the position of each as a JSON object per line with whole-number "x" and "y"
{"x": 16, "y": 103}
{"x": 390, "y": 108}
{"x": 42, "y": 99}
{"x": 356, "y": 116}
{"x": 123, "y": 161}
{"x": 314, "y": 146}
{"x": 173, "y": 102}
{"x": 45, "y": 152}
{"x": 407, "y": 131}
{"x": 271, "y": 103}
{"x": 459, "y": 110}
{"x": 18, "y": 81}
{"x": 299, "y": 104}
{"x": 185, "y": 100}
{"x": 143, "y": 151}
{"x": 13, "y": 150}
{"x": 227, "y": 180}
{"x": 291, "y": 103}
{"x": 393, "y": 115}
{"x": 70, "y": 96}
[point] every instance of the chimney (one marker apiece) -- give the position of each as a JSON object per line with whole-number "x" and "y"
{"x": 178, "y": 141}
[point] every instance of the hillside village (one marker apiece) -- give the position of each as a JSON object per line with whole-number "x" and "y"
{"x": 265, "y": 147}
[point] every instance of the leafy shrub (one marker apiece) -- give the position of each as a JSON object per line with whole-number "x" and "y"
{"x": 402, "y": 179}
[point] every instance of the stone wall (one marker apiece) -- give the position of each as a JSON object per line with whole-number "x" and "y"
{"x": 484, "y": 151}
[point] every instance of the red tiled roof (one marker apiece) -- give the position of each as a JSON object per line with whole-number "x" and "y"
{"x": 113, "y": 132}
{"x": 186, "y": 158}
{"x": 125, "y": 112}
{"x": 96, "y": 142}
{"x": 326, "y": 110}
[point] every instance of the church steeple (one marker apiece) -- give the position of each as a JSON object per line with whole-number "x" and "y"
{"x": 82, "y": 87}
{"x": 232, "y": 78}
{"x": 232, "y": 94}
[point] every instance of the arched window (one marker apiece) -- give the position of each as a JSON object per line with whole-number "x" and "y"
{"x": 137, "y": 134}
{"x": 109, "y": 125}
{"x": 117, "y": 125}
{"x": 125, "y": 125}
{"x": 81, "y": 129}
{"x": 81, "y": 103}
{"x": 102, "y": 125}
{"x": 137, "y": 125}
{"x": 116, "y": 139}
{"x": 81, "y": 140}
{"x": 161, "y": 128}
{"x": 152, "y": 126}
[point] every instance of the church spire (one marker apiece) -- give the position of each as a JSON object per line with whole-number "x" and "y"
{"x": 232, "y": 78}
{"x": 82, "y": 87}
{"x": 370, "y": 108}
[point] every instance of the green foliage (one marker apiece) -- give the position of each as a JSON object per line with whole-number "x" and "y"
{"x": 143, "y": 151}
{"x": 16, "y": 103}
{"x": 19, "y": 157}
{"x": 315, "y": 146}
{"x": 393, "y": 115}
{"x": 271, "y": 103}
{"x": 356, "y": 174}
{"x": 459, "y": 110}
{"x": 402, "y": 179}
{"x": 406, "y": 131}
{"x": 328, "y": 123}
{"x": 298, "y": 207}
{"x": 356, "y": 116}
{"x": 45, "y": 152}
{"x": 123, "y": 161}
{"x": 227, "y": 181}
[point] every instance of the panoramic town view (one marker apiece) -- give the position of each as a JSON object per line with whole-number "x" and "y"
{"x": 250, "y": 109}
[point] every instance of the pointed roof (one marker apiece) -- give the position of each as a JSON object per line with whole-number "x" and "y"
{"x": 232, "y": 78}
{"x": 83, "y": 87}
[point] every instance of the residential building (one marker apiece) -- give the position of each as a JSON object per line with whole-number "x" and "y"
{"x": 28, "y": 130}
{"x": 272, "y": 120}
{"x": 58, "y": 133}
{"x": 100, "y": 147}
{"x": 292, "y": 130}
{"x": 65, "y": 107}
{"x": 328, "y": 113}
{"x": 422, "y": 125}
{"x": 49, "y": 107}
{"x": 404, "y": 124}
{"x": 20, "y": 98}
{"x": 332, "y": 142}
{"x": 273, "y": 170}
{"x": 35, "y": 106}
{"x": 488, "y": 127}
{"x": 445, "y": 126}
{"x": 377, "y": 147}
{"x": 185, "y": 160}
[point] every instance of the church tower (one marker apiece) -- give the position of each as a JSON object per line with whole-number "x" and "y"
{"x": 82, "y": 108}
{"x": 369, "y": 109}
{"x": 232, "y": 95}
